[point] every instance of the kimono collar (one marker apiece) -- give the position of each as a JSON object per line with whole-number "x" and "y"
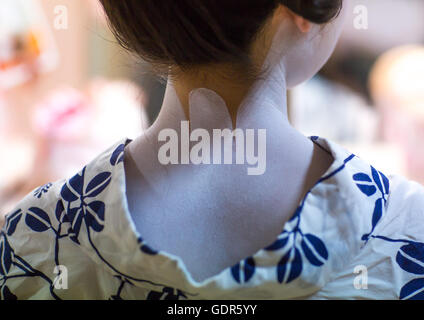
{"x": 332, "y": 223}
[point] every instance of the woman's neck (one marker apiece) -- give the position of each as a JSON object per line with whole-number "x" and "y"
{"x": 232, "y": 82}
{"x": 241, "y": 96}
{"x": 232, "y": 90}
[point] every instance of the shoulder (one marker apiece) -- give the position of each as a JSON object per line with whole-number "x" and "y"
{"x": 45, "y": 230}
{"x": 405, "y": 192}
{"x": 396, "y": 203}
{"x": 36, "y": 210}
{"x": 390, "y": 196}
{"x": 46, "y": 205}
{"x": 405, "y": 208}
{"x": 387, "y": 213}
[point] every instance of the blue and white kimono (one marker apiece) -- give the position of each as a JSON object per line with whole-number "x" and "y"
{"x": 357, "y": 234}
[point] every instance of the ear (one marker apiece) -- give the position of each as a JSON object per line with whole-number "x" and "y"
{"x": 302, "y": 24}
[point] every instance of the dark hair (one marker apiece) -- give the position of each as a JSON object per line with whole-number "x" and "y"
{"x": 190, "y": 33}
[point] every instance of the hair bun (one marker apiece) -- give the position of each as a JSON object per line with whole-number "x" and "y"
{"x": 317, "y": 11}
{"x": 190, "y": 33}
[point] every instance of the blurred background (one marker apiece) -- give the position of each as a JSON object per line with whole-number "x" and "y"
{"x": 68, "y": 92}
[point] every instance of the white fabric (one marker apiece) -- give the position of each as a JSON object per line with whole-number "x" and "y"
{"x": 330, "y": 235}
{"x": 354, "y": 216}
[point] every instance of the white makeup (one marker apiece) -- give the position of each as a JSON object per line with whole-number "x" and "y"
{"x": 205, "y": 200}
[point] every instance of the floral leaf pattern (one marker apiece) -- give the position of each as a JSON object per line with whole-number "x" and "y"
{"x": 5, "y": 255}
{"x": 6, "y": 294}
{"x": 281, "y": 242}
{"x": 12, "y": 222}
{"x": 243, "y": 271}
{"x": 410, "y": 258}
{"x": 95, "y": 215}
{"x": 118, "y": 155}
{"x": 77, "y": 205}
{"x": 413, "y": 290}
{"x": 38, "y": 193}
{"x": 291, "y": 263}
{"x": 60, "y": 212}
{"x": 98, "y": 184}
{"x": 145, "y": 248}
{"x": 79, "y": 209}
{"x": 369, "y": 187}
{"x": 38, "y": 220}
{"x": 290, "y": 266}
{"x": 315, "y": 250}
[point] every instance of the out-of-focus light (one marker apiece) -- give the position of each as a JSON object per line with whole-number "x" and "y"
{"x": 64, "y": 115}
{"x": 397, "y": 86}
{"x": 397, "y": 79}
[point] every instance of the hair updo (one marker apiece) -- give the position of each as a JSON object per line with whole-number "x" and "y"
{"x": 191, "y": 33}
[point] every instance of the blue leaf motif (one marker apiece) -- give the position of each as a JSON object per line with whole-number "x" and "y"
{"x": 249, "y": 268}
{"x": 5, "y": 256}
{"x": 413, "y": 290}
{"x": 382, "y": 184}
{"x": 73, "y": 214}
{"x": 98, "y": 207}
{"x": 154, "y": 295}
{"x": 366, "y": 189}
{"x": 41, "y": 190}
{"x": 290, "y": 266}
{"x": 93, "y": 214}
{"x": 386, "y": 183}
{"x": 77, "y": 182}
{"x": 145, "y": 248}
{"x": 246, "y": 267}
{"x": 117, "y": 155}
{"x": 95, "y": 221}
{"x": 60, "y": 212}
{"x": 12, "y": 222}
{"x": 310, "y": 242}
{"x": 376, "y": 178}
{"x": 378, "y": 212}
{"x": 67, "y": 194}
{"x": 410, "y": 258}
{"x": 362, "y": 177}
{"x": 235, "y": 272}
{"x": 279, "y": 243}
{"x": 76, "y": 226}
{"x": 37, "y": 220}
{"x": 74, "y": 238}
{"x": 98, "y": 184}
{"x": 7, "y": 295}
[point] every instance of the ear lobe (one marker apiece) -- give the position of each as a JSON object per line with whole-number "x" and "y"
{"x": 302, "y": 24}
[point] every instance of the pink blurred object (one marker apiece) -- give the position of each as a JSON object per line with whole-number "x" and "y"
{"x": 397, "y": 85}
{"x": 65, "y": 115}
{"x": 74, "y": 127}
{"x": 3, "y": 120}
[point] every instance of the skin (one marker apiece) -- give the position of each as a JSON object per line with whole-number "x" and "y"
{"x": 290, "y": 50}
{"x": 290, "y": 43}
